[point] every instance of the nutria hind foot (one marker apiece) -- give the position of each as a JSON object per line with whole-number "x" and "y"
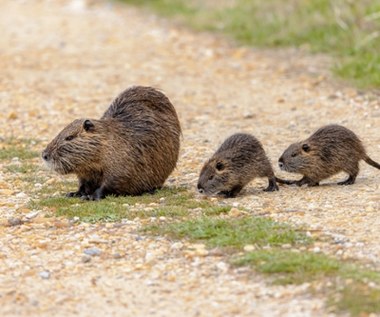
{"x": 98, "y": 194}
{"x": 272, "y": 185}
{"x": 349, "y": 181}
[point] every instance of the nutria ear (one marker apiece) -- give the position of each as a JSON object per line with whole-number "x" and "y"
{"x": 306, "y": 147}
{"x": 88, "y": 125}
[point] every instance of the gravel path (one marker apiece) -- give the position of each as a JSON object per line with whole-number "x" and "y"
{"x": 61, "y": 60}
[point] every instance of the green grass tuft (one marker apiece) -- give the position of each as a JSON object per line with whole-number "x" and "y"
{"x": 232, "y": 233}
{"x": 293, "y": 267}
{"x": 358, "y": 299}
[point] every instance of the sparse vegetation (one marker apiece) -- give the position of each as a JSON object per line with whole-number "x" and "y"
{"x": 285, "y": 266}
{"x": 348, "y": 30}
{"x": 168, "y": 202}
{"x": 233, "y": 233}
{"x": 14, "y": 148}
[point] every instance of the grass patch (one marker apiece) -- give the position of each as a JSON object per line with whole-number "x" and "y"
{"x": 232, "y": 233}
{"x": 21, "y": 149}
{"x": 287, "y": 267}
{"x": 291, "y": 267}
{"x": 348, "y": 30}
{"x": 167, "y": 202}
{"x": 24, "y": 168}
{"x": 358, "y": 299}
{"x": 348, "y": 287}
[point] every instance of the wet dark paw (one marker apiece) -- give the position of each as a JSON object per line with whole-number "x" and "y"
{"x": 271, "y": 189}
{"x": 228, "y": 194}
{"x": 346, "y": 182}
{"x": 74, "y": 194}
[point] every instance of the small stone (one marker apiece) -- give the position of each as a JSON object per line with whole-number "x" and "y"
{"x": 150, "y": 257}
{"x": 86, "y": 258}
{"x": 176, "y": 246}
{"x": 31, "y": 215}
{"x": 44, "y": 275}
{"x": 162, "y": 218}
{"x": 92, "y": 251}
{"x": 117, "y": 256}
{"x": 286, "y": 246}
{"x": 235, "y": 212}
{"x": 21, "y": 195}
{"x": 14, "y": 222}
{"x": 162, "y": 200}
{"x": 222, "y": 266}
{"x": 316, "y": 249}
{"x": 235, "y": 204}
{"x": 249, "y": 248}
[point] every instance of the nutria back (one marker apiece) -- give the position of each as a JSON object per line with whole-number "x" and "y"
{"x": 238, "y": 160}
{"x": 130, "y": 150}
{"x": 328, "y": 151}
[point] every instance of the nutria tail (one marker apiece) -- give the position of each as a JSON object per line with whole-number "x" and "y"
{"x": 371, "y": 162}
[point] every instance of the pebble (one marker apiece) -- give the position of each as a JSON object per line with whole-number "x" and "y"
{"x": 31, "y": 215}
{"x": 92, "y": 251}
{"x": 86, "y": 258}
{"x": 21, "y": 195}
{"x": 44, "y": 275}
{"x": 15, "y": 222}
{"x": 249, "y": 248}
{"x": 222, "y": 266}
{"x": 176, "y": 246}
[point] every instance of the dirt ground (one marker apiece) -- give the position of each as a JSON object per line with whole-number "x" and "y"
{"x": 62, "y": 60}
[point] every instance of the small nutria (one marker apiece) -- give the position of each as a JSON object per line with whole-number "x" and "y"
{"x": 238, "y": 160}
{"x": 131, "y": 150}
{"x": 330, "y": 150}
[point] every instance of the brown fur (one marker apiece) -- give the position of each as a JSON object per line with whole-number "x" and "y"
{"x": 239, "y": 159}
{"x": 328, "y": 151}
{"x": 130, "y": 150}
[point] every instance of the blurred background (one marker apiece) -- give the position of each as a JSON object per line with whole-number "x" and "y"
{"x": 347, "y": 29}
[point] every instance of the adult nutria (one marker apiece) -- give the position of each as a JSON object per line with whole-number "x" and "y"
{"x": 238, "y": 160}
{"x": 330, "y": 150}
{"x": 131, "y": 150}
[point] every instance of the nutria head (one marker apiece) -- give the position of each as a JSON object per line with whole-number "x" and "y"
{"x": 75, "y": 148}
{"x": 217, "y": 176}
{"x": 298, "y": 158}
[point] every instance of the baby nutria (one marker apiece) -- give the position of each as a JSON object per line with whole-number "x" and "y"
{"x": 131, "y": 150}
{"x": 328, "y": 151}
{"x": 239, "y": 159}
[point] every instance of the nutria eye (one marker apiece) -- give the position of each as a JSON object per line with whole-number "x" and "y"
{"x": 219, "y": 166}
{"x": 294, "y": 155}
{"x": 306, "y": 147}
{"x": 69, "y": 138}
{"x": 211, "y": 177}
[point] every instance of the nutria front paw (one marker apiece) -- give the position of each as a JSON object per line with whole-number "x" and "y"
{"x": 74, "y": 194}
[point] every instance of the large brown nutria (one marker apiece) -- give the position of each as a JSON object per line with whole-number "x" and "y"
{"x": 330, "y": 150}
{"x": 131, "y": 150}
{"x": 238, "y": 160}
